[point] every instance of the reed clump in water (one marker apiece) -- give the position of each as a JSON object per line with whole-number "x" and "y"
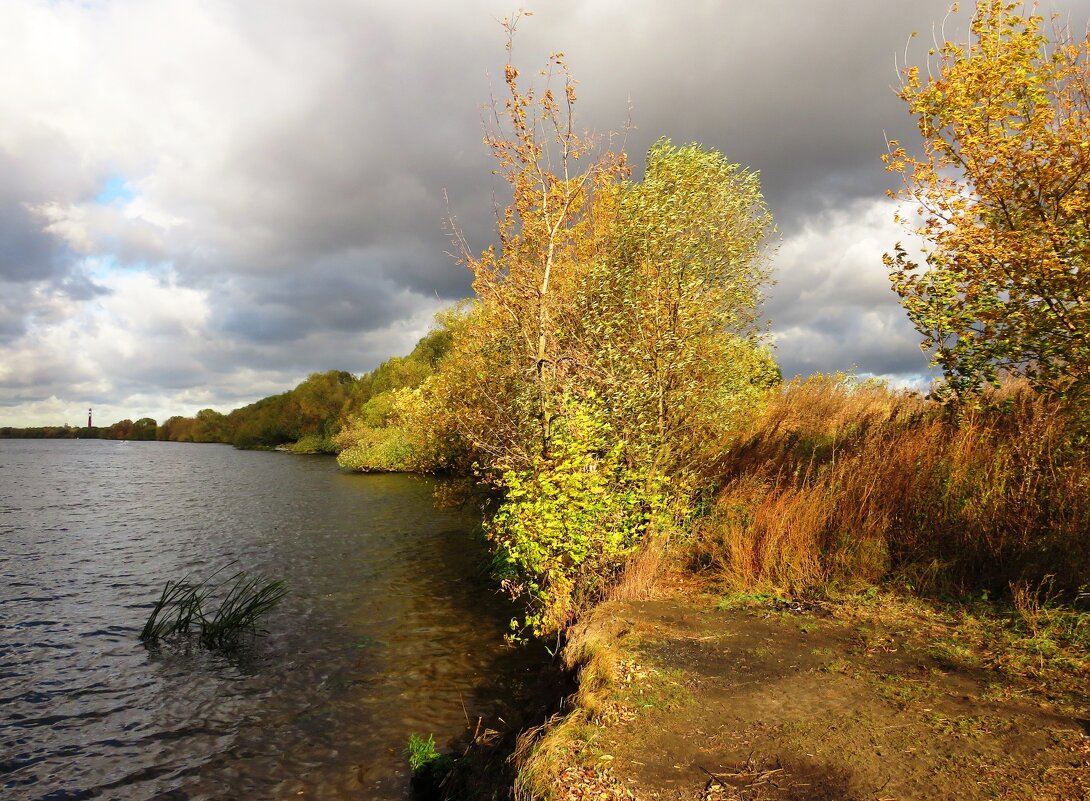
{"x": 184, "y": 607}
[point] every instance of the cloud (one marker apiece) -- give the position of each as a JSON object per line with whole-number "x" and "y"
{"x": 148, "y": 331}
{"x": 832, "y": 307}
{"x": 281, "y": 177}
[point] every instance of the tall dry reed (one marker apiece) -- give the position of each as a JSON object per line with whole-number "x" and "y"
{"x": 841, "y": 483}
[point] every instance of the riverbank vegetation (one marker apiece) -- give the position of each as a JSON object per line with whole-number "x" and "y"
{"x": 610, "y": 401}
{"x": 377, "y": 430}
{"x": 610, "y": 392}
{"x": 610, "y": 389}
{"x": 143, "y": 429}
{"x": 613, "y": 345}
{"x": 330, "y": 412}
{"x": 308, "y": 414}
{"x": 842, "y": 483}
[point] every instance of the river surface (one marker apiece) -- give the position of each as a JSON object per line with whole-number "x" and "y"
{"x": 385, "y": 630}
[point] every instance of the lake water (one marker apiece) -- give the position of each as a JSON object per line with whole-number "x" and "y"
{"x": 385, "y": 630}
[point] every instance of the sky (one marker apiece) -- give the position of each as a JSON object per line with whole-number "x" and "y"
{"x": 203, "y": 202}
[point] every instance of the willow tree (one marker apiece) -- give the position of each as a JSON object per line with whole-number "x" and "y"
{"x": 1003, "y": 192}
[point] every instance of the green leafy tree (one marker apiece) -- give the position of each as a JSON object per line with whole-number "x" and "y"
{"x": 595, "y": 375}
{"x": 176, "y": 429}
{"x": 386, "y": 425}
{"x": 210, "y": 426}
{"x": 1003, "y": 190}
{"x": 144, "y": 429}
{"x": 669, "y": 315}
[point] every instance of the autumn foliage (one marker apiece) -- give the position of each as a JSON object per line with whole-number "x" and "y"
{"x": 611, "y": 374}
{"x": 614, "y": 343}
{"x": 1003, "y": 190}
{"x": 843, "y": 483}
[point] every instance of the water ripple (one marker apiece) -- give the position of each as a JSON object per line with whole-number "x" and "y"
{"x": 380, "y": 635}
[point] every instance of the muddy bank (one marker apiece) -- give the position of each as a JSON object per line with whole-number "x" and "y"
{"x": 481, "y": 765}
{"x": 879, "y": 697}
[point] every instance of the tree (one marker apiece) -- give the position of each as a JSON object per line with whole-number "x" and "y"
{"x": 122, "y": 429}
{"x": 210, "y": 426}
{"x": 144, "y": 429}
{"x": 176, "y": 429}
{"x": 320, "y": 399}
{"x": 547, "y": 232}
{"x": 669, "y": 314}
{"x": 597, "y": 367}
{"x": 1003, "y": 188}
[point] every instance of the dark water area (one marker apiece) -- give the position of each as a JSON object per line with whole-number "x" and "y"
{"x": 385, "y": 631}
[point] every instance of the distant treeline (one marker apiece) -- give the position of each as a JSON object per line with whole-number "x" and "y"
{"x": 308, "y": 418}
{"x": 143, "y": 429}
{"x": 311, "y": 410}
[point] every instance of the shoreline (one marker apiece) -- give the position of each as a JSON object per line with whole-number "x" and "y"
{"x": 752, "y": 698}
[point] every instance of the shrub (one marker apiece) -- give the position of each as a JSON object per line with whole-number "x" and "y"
{"x": 392, "y": 434}
{"x": 566, "y": 526}
{"x": 427, "y": 765}
{"x": 314, "y": 443}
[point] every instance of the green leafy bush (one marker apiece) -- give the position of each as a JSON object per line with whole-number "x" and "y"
{"x": 427, "y": 765}
{"x": 397, "y": 440}
{"x": 566, "y": 526}
{"x": 314, "y": 444}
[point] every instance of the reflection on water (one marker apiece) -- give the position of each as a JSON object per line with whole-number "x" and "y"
{"x": 384, "y": 631}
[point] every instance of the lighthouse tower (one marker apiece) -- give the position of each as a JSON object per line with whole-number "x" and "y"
{"x": 88, "y": 418}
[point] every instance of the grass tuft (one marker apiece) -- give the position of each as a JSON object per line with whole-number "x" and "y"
{"x": 183, "y": 606}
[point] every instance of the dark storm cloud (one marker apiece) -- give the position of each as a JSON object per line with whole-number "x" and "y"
{"x": 800, "y": 91}
{"x": 290, "y": 168}
{"x": 27, "y": 252}
{"x": 358, "y": 170}
{"x": 333, "y": 296}
{"x": 362, "y": 162}
{"x": 47, "y": 300}
{"x": 77, "y": 285}
{"x": 12, "y": 322}
{"x": 856, "y": 346}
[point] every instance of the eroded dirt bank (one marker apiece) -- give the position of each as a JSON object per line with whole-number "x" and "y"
{"x": 879, "y": 698}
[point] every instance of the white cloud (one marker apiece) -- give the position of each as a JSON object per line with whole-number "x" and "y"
{"x": 833, "y": 308}
{"x": 143, "y": 350}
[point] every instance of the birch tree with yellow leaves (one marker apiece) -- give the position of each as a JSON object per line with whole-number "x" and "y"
{"x": 614, "y": 340}
{"x": 1002, "y": 187}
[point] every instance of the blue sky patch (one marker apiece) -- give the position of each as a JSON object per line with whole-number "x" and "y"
{"x": 116, "y": 189}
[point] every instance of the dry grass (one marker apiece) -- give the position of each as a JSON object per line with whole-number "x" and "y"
{"x": 563, "y": 759}
{"x": 543, "y": 754}
{"x": 640, "y": 575}
{"x": 840, "y": 484}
